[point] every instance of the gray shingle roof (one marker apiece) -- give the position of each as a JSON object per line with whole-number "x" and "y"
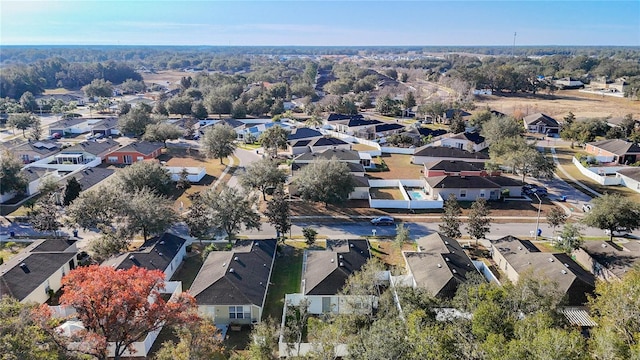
{"x": 448, "y": 152}
{"x": 618, "y": 258}
{"x": 142, "y": 147}
{"x": 324, "y": 141}
{"x": 453, "y": 166}
{"x": 631, "y": 172}
{"x": 33, "y": 173}
{"x": 92, "y": 176}
{"x": 44, "y": 148}
{"x": 236, "y": 277}
{"x": 439, "y": 265}
{"x": 353, "y": 167}
{"x": 328, "y": 154}
{"x": 92, "y": 147}
{"x": 303, "y": 133}
{"x": 570, "y": 278}
{"x": 540, "y": 118}
{"x": 327, "y": 270}
{"x": 155, "y": 254}
{"x": 461, "y": 182}
{"x": 617, "y": 146}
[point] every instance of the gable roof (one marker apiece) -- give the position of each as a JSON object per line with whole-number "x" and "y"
{"x": 461, "y": 182}
{"x": 439, "y": 265}
{"x": 423, "y": 131}
{"x": 44, "y": 148}
{"x": 301, "y": 143}
{"x": 474, "y": 137}
{"x": 353, "y": 167}
{"x": 92, "y": 147}
{"x": 142, "y": 147}
{"x": 631, "y": 172}
{"x": 22, "y": 279}
{"x": 448, "y": 152}
{"x": 505, "y": 181}
{"x": 453, "y": 166}
{"x": 540, "y": 118}
{"x": 327, "y": 271}
{"x": 25, "y": 272}
{"x": 328, "y": 141}
{"x": 361, "y": 181}
{"x": 155, "y": 254}
{"x": 362, "y": 122}
{"x": 570, "y": 278}
{"x": 231, "y": 122}
{"x": 303, "y": 133}
{"x": 92, "y": 176}
{"x": 34, "y": 173}
{"x": 341, "y": 117}
{"x": 66, "y": 123}
{"x": 451, "y": 113}
{"x": 617, "y": 146}
{"x": 617, "y": 258}
{"x": 388, "y": 127}
{"x": 236, "y": 277}
{"x": 328, "y": 154}
{"x": 106, "y": 124}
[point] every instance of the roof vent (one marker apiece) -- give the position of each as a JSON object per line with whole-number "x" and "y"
{"x": 231, "y": 270}
{"x": 160, "y": 253}
{"x": 236, "y": 258}
{"x": 23, "y": 265}
{"x": 446, "y": 242}
{"x": 132, "y": 257}
{"x": 566, "y": 265}
{"x": 332, "y": 260}
{"x": 264, "y": 265}
{"x": 350, "y": 245}
{"x": 564, "y": 271}
{"x": 519, "y": 247}
{"x": 604, "y": 245}
{"x": 260, "y": 283}
{"x": 454, "y": 271}
{"x": 341, "y": 263}
{"x": 224, "y": 264}
{"x": 161, "y": 242}
{"x": 447, "y": 259}
{"x": 550, "y": 259}
{"x": 439, "y": 265}
{"x": 340, "y": 256}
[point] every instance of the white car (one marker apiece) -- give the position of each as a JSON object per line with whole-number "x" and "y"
{"x": 621, "y": 231}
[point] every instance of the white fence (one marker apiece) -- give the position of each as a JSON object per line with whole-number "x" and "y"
{"x": 195, "y": 174}
{"x": 485, "y": 271}
{"x": 356, "y": 140}
{"x": 407, "y": 202}
{"x": 396, "y": 150}
{"x": 49, "y": 163}
{"x": 594, "y": 173}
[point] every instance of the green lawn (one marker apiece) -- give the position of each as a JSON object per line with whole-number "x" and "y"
{"x": 190, "y": 267}
{"x": 285, "y": 279}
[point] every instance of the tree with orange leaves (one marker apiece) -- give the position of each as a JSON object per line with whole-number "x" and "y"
{"x": 121, "y": 306}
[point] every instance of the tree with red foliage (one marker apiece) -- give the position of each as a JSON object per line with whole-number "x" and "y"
{"x": 122, "y": 306}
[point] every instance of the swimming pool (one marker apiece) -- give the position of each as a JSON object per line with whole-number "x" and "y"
{"x": 417, "y": 195}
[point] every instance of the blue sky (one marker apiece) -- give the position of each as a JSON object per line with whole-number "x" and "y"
{"x": 338, "y": 23}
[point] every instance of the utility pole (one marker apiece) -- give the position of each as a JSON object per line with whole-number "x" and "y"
{"x": 513, "y": 50}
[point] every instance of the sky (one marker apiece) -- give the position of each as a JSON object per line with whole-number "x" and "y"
{"x": 320, "y": 23}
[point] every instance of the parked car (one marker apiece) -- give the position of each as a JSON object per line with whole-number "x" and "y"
{"x": 383, "y": 220}
{"x": 621, "y": 231}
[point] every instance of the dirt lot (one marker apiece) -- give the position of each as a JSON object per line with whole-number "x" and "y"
{"x": 171, "y": 76}
{"x": 583, "y": 105}
{"x": 400, "y": 167}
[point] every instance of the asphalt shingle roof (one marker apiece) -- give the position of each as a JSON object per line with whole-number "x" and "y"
{"x": 328, "y": 154}
{"x": 631, "y": 172}
{"x": 453, "y": 166}
{"x": 327, "y": 270}
{"x": 142, "y": 147}
{"x": 303, "y": 133}
{"x": 236, "y": 277}
{"x": 540, "y": 117}
{"x": 461, "y": 182}
{"x": 155, "y": 254}
{"x": 448, "y": 152}
{"x": 617, "y": 146}
{"x": 92, "y": 147}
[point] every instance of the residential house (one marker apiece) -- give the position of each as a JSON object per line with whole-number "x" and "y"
{"x": 333, "y": 118}
{"x": 454, "y": 168}
{"x": 35, "y": 175}
{"x": 465, "y": 188}
{"x": 165, "y": 253}
{"x": 517, "y": 257}
{"x": 70, "y": 126}
{"x": 36, "y": 272}
{"x": 67, "y": 98}
{"x": 324, "y": 143}
{"x": 362, "y": 128}
{"x": 341, "y": 155}
{"x": 134, "y": 152}
{"x": 569, "y": 83}
{"x": 450, "y": 114}
{"x": 325, "y": 272}
{"x": 471, "y": 141}
{"x": 440, "y": 265}
{"x": 257, "y": 129}
{"x": 90, "y": 177}
{"x": 630, "y": 177}
{"x": 303, "y": 133}
{"x": 86, "y": 151}
{"x": 429, "y": 153}
{"x": 386, "y": 129}
{"x": 422, "y": 135}
{"x": 106, "y": 127}
{"x": 356, "y": 169}
{"x": 34, "y": 151}
{"x": 614, "y": 151}
{"x": 541, "y": 124}
{"x": 231, "y": 286}
{"x": 607, "y": 260}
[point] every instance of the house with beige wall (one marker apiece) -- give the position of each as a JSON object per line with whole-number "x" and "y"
{"x": 231, "y": 287}
{"x": 37, "y": 272}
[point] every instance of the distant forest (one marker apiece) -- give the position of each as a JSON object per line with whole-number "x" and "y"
{"x": 502, "y": 69}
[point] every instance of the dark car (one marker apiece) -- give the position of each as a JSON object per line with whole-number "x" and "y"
{"x": 383, "y": 220}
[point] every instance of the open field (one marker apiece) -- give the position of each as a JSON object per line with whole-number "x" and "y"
{"x": 161, "y": 76}
{"x": 583, "y": 105}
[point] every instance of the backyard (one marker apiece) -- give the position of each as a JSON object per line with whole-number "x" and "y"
{"x": 285, "y": 278}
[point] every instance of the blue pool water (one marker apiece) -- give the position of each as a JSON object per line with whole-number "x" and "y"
{"x": 417, "y": 195}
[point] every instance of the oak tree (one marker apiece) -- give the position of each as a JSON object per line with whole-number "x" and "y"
{"x": 219, "y": 142}
{"x": 262, "y": 175}
{"x": 612, "y": 211}
{"x": 451, "y": 218}
{"x": 479, "y": 222}
{"x": 327, "y": 181}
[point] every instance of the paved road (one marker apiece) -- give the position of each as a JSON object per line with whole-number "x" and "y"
{"x": 246, "y": 157}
